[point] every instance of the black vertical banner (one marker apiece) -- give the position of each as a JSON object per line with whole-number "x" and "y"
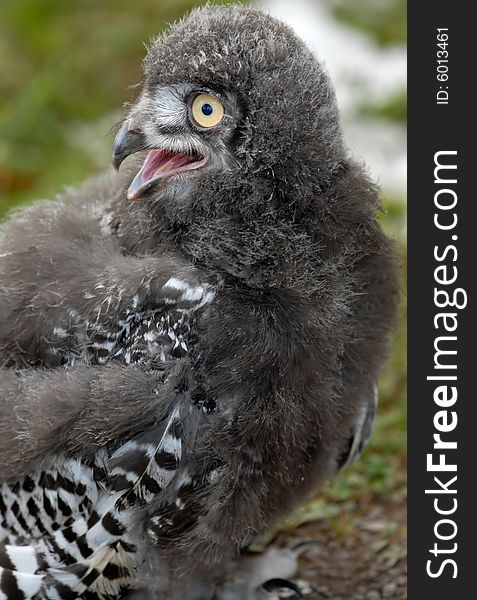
{"x": 442, "y": 270}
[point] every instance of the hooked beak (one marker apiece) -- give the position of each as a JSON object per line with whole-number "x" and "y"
{"x": 159, "y": 165}
{"x": 127, "y": 142}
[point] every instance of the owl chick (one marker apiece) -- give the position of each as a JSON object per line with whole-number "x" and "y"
{"x": 189, "y": 348}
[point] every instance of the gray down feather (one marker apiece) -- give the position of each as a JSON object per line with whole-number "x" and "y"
{"x": 249, "y": 301}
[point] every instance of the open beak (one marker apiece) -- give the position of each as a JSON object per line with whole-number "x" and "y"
{"x": 159, "y": 165}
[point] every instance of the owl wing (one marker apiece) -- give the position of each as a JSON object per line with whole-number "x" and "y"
{"x": 127, "y": 357}
{"x": 143, "y": 469}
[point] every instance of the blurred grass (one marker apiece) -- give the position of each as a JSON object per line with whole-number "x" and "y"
{"x": 392, "y": 108}
{"x": 65, "y": 68}
{"x": 384, "y": 21}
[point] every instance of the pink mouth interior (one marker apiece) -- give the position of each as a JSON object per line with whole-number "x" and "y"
{"x": 157, "y": 164}
{"x": 162, "y": 161}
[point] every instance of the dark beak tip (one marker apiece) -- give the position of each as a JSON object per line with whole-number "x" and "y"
{"x": 126, "y": 142}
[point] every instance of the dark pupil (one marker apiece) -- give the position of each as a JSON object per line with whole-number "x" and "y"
{"x": 207, "y": 109}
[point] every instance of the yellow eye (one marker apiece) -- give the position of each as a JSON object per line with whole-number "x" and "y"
{"x": 207, "y": 111}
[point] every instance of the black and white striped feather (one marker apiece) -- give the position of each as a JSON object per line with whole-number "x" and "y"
{"x": 73, "y": 528}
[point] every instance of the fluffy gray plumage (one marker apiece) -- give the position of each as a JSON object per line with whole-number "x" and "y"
{"x": 230, "y": 321}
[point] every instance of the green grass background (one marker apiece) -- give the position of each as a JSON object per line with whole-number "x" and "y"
{"x": 65, "y": 69}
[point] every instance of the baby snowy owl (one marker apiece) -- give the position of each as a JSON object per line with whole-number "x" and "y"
{"x": 190, "y": 347}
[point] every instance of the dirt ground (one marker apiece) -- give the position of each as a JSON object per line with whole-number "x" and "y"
{"x": 365, "y": 563}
